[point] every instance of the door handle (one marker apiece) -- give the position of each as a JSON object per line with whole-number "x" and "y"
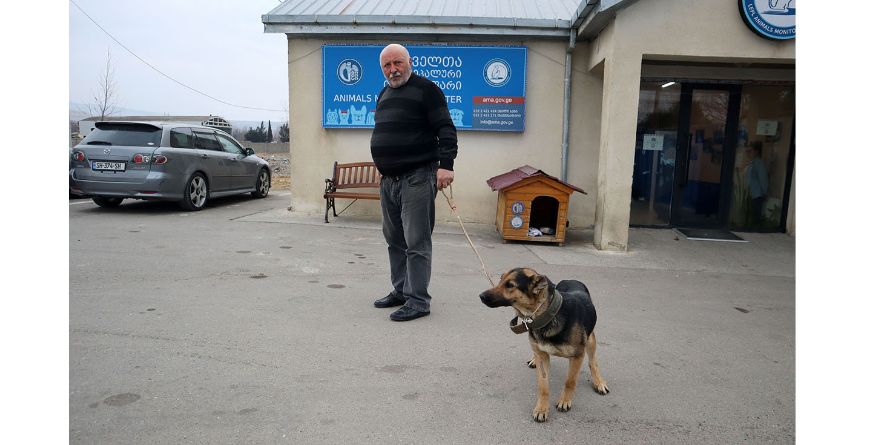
{"x": 688, "y": 158}
{"x": 204, "y": 156}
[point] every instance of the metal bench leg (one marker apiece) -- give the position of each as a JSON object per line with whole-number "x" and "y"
{"x": 330, "y": 203}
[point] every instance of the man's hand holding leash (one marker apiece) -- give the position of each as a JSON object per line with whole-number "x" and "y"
{"x": 444, "y": 178}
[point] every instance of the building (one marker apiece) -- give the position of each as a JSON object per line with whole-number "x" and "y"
{"x": 655, "y": 107}
{"x": 88, "y": 124}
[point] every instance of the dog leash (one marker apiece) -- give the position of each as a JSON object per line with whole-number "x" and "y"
{"x": 449, "y": 200}
{"x": 517, "y": 326}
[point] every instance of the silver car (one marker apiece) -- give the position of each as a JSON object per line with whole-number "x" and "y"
{"x": 164, "y": 161}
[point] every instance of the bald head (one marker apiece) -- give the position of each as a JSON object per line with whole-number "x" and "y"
{"x": 395, "y": 64}
{"x": 394, "y": 49}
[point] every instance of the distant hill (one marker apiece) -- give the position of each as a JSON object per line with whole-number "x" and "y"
{"x": 253, "y": 124}
{"x": 79, "y": 111}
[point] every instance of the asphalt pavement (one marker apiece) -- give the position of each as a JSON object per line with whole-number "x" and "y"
{"x": 247, "y": 323}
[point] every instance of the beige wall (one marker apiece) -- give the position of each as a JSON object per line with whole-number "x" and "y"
{"x": 584, "y": 137}
{"x": 678, "y": 30}
{"x": 481, "y": 154}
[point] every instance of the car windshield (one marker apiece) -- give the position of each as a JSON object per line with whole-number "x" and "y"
{"x": 124, "y": 134}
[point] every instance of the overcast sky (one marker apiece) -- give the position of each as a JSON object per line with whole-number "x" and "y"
{"x": 217, "y": 47}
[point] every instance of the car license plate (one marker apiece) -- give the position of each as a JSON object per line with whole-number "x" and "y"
{"x": 113, "y": 166}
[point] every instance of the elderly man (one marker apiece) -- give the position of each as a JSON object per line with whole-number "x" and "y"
{"x": 413, "y": 145}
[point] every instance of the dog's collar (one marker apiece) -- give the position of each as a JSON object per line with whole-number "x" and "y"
{"x": 520, "y": 326}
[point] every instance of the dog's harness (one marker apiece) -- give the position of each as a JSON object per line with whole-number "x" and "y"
{"x": 520, "y": 326}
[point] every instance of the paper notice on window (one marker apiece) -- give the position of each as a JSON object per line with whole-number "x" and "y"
{"x": 653, "y": 142}
{"x": 767, "y": 127}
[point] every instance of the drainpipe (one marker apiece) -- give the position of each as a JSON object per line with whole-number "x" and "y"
{"x": 567, "y": 96}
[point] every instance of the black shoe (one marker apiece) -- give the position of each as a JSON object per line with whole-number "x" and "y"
{"x": 390, "y": 301}
{"x": 407, "y": 313}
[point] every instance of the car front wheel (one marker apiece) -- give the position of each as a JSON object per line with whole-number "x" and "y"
{"x": 262, "y": 184}
{"x": 196, "y": 193}
{"x": 107, "y": 202}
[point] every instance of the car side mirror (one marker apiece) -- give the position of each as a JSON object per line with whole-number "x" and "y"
{"x": 249, "y": 151}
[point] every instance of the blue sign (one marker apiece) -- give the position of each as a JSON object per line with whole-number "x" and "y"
{"x": 485, "y": 87}
{"x": 772, "y": 19}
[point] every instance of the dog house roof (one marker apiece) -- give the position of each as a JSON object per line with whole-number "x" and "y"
{"x": 516, "y": 175}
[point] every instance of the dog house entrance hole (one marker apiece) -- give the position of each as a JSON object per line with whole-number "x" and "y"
{"x": 543, "y": 215}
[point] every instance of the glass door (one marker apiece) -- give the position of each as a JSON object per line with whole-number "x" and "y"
{"x": 705, "y": 155}
{"x": 713, "y": 155}
{"x": 764, "y": 158}
{"x": 655, "y": 153}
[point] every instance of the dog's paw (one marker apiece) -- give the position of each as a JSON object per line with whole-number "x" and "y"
{"x": 540, "y": 415}
{"x": 601, "y": 388}
{"x": 564, "y": 405}
{"x": 531, "y": 363}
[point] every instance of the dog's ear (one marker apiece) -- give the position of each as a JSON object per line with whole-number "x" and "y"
{"x": 540, "y": 284}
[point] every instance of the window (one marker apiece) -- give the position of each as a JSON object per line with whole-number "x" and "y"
{"x": 206, "y": 141}
{"x": 181, "y": 138}
{"x": 229, "y": 145}
{"x": 128, "y": 134}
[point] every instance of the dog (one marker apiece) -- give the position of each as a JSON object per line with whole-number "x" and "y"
{"x": 358, "y": 115}
{"x": 560, "y": 321}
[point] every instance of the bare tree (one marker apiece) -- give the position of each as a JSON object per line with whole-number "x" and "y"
{"x": 283, "y": 132}
{"x": 104, "y": 101}
{"x": 285, "y": 106}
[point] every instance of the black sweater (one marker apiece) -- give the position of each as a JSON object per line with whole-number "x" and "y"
{"x": 412, "y": 128}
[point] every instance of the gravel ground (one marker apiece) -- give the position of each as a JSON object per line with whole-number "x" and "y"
{"x": 280, "y": 170}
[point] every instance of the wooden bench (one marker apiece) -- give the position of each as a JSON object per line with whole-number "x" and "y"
{"x": 351, "y": 176}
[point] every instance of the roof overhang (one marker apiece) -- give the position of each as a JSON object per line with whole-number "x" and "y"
{"x": 590, "y": 17}
{"x": 363, "y": 25}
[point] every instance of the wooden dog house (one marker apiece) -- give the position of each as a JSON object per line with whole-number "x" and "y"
{"x": 532, "y": 205}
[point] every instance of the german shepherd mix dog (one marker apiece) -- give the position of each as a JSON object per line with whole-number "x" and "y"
{"x": 560, "y": 321}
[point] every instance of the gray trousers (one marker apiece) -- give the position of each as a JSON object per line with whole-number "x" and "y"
{"x": 407, "y": 205}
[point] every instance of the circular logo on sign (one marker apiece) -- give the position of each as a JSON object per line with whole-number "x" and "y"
{"x": 497, "y": 72}
{"x": 517, "y": 208}
{"x": 772, "y": 19}
{"x": 349, "y": 71}
{"x": 516, "y": 222}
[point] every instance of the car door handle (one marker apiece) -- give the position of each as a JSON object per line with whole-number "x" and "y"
{"x": 204, "y": 156}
